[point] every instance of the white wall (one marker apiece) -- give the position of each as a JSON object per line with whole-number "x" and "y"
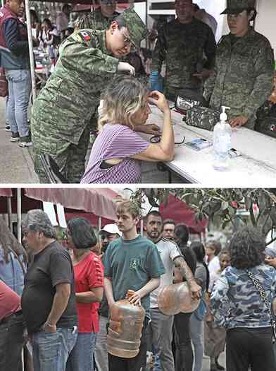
{"x": 265, "y": 21}
{"x": 215, "y": 7}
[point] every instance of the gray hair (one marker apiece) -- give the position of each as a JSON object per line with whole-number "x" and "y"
{"x": 38, "y": 221}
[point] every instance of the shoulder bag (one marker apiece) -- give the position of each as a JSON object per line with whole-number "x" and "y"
{"x": 263, "y": 296}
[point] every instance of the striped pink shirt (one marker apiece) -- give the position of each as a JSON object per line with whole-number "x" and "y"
{"x": 115, "y": 141}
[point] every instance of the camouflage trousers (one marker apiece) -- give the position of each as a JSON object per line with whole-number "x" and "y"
{"x": 70, "y": 158}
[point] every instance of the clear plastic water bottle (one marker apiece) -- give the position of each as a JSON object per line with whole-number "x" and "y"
{"x": 221, "y": 142}
{"x": 125, "y": 328}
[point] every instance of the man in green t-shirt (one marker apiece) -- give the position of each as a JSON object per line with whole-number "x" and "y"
{"x": 131, "y": 262}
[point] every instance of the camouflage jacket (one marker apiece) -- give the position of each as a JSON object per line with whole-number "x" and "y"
{"x": 95, "y": 20}
{"x": 237, "y": 303}
{"x": 66, "y": 104}
{"x": 243, "y": 75}
{"x": 185, "y": 49}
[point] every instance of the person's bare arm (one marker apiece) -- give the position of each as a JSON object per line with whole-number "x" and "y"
{"x": 60, "y": 302}
{"x": 271, "y": 261}
{"x": 108, "y": 291}
{"x": 163, "y": 151}
{"x": 186, "y": 272}
{"x": 151, "y": 285}
{"x": 92, "y": 296}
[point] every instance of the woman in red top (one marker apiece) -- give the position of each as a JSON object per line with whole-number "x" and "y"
{"x": 88, "y": 272}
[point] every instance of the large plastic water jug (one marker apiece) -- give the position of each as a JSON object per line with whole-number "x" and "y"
{"x": 125, "y": 328}
{"x": 176, "y": 298}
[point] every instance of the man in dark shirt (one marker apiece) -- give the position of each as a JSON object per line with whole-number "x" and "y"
{"x": 187, "y": 46}
{"x": 15, "y": 60}
{"x": 48, "y": 299}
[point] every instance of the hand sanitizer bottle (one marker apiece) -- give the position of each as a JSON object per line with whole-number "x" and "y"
{"x": 221, "y": 142}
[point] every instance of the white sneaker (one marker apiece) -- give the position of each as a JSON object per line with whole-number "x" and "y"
{"x": 14, "y": 139}
{"x": 25, "y": 144}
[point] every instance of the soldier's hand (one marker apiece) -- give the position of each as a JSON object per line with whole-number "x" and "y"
{"x": 126, "y": 67}
{"x": 238, "y": 121}
{"x": 204, "y": 74}
{"x": 159, "y": 100}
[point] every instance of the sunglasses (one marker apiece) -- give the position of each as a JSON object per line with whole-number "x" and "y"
{"x": 157, "y": 139}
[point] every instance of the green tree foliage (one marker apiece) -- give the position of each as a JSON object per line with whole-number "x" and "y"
{"x": 220, "y": 205}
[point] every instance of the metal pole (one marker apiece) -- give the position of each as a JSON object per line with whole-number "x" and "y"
{"x": 31, "y": 50}
{"x": 19, "y": 215}
{"x": 100, "y": 223}
{"x": 9, "y": 210}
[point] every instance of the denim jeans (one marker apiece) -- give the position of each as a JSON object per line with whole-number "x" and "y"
{"x": 161, "y": 332}
{"x": 197, "y": 336}
{"x": 82, "y": 356}
{"x": 51, "y": 349}
{"x": 19, "y": 94}
{"x": 101, "y": 355}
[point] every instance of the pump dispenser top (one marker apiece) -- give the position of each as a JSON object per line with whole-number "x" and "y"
{"x": 223, "y": 115}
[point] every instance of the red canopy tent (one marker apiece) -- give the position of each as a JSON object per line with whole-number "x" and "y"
{"x": 97, "y": 205}
{"x": 97, "y": 201}
{"x": 180, "y": 212}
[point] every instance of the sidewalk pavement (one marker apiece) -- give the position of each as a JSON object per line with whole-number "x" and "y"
{"x": 16, "y": 164}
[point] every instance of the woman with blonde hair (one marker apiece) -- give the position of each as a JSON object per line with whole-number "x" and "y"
{"x": 118, "y": 149}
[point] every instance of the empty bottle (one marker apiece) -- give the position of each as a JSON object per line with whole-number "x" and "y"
{"x": 176, "y": 298}
{"x": 125, "y": 328}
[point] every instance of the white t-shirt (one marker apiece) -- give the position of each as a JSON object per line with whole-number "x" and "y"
{"x": 168, "y": 251}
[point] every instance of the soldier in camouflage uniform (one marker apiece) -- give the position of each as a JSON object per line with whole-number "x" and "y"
{"x": 244, "y": 67}
{"x": 187, "y": 46}
{"x": 100, "y": 18}
{"x": 61, "y": 114}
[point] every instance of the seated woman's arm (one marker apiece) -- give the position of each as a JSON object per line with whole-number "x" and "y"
{"x": 163, "y": 151}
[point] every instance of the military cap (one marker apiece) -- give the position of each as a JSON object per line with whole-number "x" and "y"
{"x": 237, "y": 6}
{"x": 136, "y": 27}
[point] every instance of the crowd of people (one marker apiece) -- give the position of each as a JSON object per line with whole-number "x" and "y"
{"x": 56, "y": 296}
{"x": 237, "y": 72}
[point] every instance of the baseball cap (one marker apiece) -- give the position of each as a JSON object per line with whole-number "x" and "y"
{"x": 136, "y": 27}
{"x": 237, "y": 6}
{"x": 111, "y": 228}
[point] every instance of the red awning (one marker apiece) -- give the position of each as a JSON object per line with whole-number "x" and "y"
{"x": 99, "y": 201}
{"x": 180, "y": 212}
{"x": 5, "y": 192}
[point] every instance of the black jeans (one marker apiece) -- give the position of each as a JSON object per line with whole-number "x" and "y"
{"x": 131, "y": 364}
{"x": 11, "y": 343}
{"x": 249, "y": 347}
{"x": 182, "y": 341}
